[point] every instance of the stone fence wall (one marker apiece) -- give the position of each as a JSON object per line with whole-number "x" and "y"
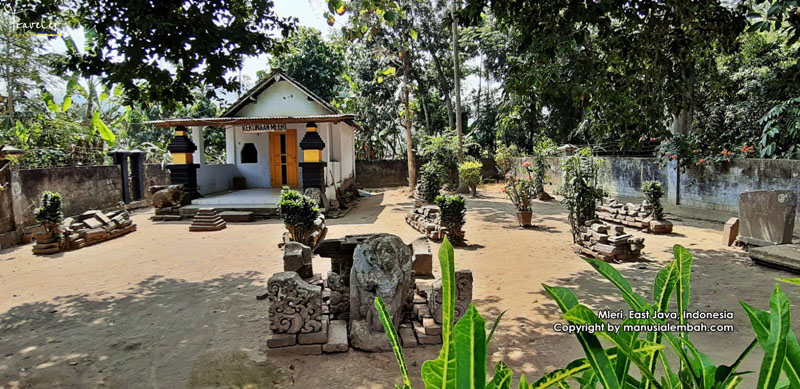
{"x": 394, "y": 172}
{"x": 714, "y": 188}
{"x": 82, "y": 188}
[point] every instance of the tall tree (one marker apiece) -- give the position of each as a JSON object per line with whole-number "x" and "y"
{"x": 23, "y": 64}
{"x": 160, "y": 50}
{"x": 313, "y": 61}
{"x": 386, "y": 21}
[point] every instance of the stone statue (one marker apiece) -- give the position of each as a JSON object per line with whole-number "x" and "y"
{"x": 295, "y": 306}
{"x": 381, "y": 268}
{"x": 166, "y": 195}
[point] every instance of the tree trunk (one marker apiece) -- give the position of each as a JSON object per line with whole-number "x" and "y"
{"x": 457, "y": 86}
{"x": 412, "y": 173}
{"x": 445, "y": 89}
{"x": 9, "y": 83}
{"x": 682, "y": 122}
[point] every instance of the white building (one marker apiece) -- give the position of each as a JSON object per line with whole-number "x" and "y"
{"x": 263, "y": 130}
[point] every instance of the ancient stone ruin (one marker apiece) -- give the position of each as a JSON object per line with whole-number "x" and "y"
{"x": 632, "y": 215}
{"x": 425, "y": 219}
{"x": 608, "y": 242}
{"x": 310, "y": 314}
{"x": 89, "y": 228}
{"x": 207, "y": 219}
{"x": 767, "y": 217}
{"x": 167, "y": 200}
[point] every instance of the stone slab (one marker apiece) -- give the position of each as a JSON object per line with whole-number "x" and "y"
{"x": 424, "y": 338}
{"x": 236, "y": 216}
{"x": 281, "y": 340}
{"x": 337, "y": 337}
{"x": 298, "y": 350}
{"x": 785, "y": 256}
{"x": 407, "y": 337}
{"x": 731, "y": 231}
{"x": 767, "y": 217}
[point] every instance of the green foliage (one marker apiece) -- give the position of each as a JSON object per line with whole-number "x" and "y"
{"x": 580, "y": 190}
{"x": 443, "y": 149}
{"x": 504, "y": 158}
{"x": 185, "y": 35}
{"x": 453, "y": 215}
{"x": 298, "y": 213}
{"x": 49, "y": 211}
{"x": 653, "y": 192}
{"x": 430, "y": 181}
{"x": 543, "y": 150}
{"x": 312, "y": 61}
{"x": 462, "y": 358}
{"x": 470, "y": 174}
{"x": 781, "y": 135}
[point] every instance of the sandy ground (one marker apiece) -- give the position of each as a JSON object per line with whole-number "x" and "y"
{"x": 166, "y": 308}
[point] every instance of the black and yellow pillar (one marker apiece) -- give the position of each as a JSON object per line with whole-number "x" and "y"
{"x": 183, "y": 170}
{"x": 313, "y": 166}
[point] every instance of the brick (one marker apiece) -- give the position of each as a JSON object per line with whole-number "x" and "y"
{"x": 431, "y": 328}
{"x": 423, "y": 338}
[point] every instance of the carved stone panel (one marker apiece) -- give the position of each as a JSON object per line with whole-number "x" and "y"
{"x": 463, "y": 296}
{"x": 295, "y": 306}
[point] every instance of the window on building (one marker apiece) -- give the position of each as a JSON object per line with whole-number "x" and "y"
{"x": 249, "y": 153}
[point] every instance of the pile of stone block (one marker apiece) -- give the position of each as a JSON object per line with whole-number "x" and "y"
{"x": 93, "y": 227}
{"x": 425, "y": 219}
{"x": 632, "y": 215}
{"x": 311, "y": 315}
{"x": 207, "y": 219}
{"x": 46, "y": 243}
{"x": 608, "y": 242}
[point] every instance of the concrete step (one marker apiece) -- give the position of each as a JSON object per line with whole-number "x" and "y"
{"x": 783, "y": 256}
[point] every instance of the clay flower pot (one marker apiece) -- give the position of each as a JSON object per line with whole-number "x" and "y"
{"x": 524, "y": 218}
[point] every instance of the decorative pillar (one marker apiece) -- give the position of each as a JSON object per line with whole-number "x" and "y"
{"x": 313, "y": 166}
{"x": 183, "y": 170}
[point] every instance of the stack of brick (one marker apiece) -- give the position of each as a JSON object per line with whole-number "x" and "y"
{"x": 632, "y": 215}
{"x": 425, "y": 219}
{"x": 207, "y": 219}
{"x": 608, "y": 242}
{"x": 94, "y": 226}
{"x": 46, "y": 243}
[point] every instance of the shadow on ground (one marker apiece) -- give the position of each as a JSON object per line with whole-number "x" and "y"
{"x": 158, "y": 333}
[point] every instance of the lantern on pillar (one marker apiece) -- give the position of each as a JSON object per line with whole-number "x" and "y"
{"x": 313, "y": 167}
{"x": 183, "y": 170}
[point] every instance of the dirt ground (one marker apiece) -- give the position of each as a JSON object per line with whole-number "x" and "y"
{"x": 166, "y": 308}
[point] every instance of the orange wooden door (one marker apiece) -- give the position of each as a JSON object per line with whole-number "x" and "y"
{"x": 283, "y": 159}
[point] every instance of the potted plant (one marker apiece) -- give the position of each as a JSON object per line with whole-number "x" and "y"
{"x": 521, "y": 189}
{"x": 452, "y": 215}
{"x": 49, "y": 214}
{"x": 299, "y": 213}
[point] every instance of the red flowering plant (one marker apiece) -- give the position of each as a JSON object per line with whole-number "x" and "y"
{"x": 521, "y": 186}
{"x": 689, "y": 150}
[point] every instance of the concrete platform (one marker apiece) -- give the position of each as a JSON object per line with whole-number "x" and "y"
{"x": 784, "y": 256}
{"x": 252, "y": 196}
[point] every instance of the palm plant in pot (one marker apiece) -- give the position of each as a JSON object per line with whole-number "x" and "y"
{"x": 521, "y": 189}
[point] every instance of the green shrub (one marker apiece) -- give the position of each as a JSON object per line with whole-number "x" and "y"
{"x": 453, "y": 215}
{"x": 462, "y": 358}
{"x": 430, "y": 182}
{"x": 541, "y": 152}
{"x": 580, "y": 189}
{"x": 653, "y": 192}
{"x": 49, "y": 211}
{"x": 505, "y": 157}
{"x": 470, "y": 173}
{"x": 298, "y": 213}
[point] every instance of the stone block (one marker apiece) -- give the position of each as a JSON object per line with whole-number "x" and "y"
{"x": 337, "y": 337}
{"x": 281, "y": 340}
{"x": 767, "y": 217}
{"x": 431, "y": 328}
{"x": 731, "y": 231}
{"x": 298, "y": 350}
{"x": 407, "y": 337}
{"x": 599, "y": 227}
{"x": 424, "y": 338}
{"x": 423, "y": 258}
{"x": 297, "y": 257}
{"x": 295, "y": 306}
